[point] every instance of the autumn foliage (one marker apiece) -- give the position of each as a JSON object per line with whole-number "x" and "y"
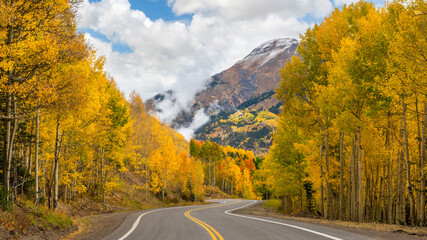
{"x": 68, "y": 132}
{"x": 350, "y": 141}
{"x": 227, "y": 168}
{"x": 353, "y": 124}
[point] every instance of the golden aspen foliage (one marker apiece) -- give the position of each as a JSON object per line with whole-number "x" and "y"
{"x": 352, "y": 127}
{"x": 90, "y": 139}
{"x": 229, "y": 169}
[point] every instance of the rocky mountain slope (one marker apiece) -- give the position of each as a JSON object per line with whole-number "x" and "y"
{"x": 248, "y": 84}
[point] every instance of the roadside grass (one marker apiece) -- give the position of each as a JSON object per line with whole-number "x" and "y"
{"x": 274, "y": 204}
{"x": 45, "y": 216}
{"x": 25, "y": 219}
{"x": 57, "y": 219}
{"x": 135, "y": 204}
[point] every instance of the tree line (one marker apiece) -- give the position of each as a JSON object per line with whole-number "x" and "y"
{"x": 68, "y": 132}
{"x": 229, "y": 169}
{"x": 351, "y": 137}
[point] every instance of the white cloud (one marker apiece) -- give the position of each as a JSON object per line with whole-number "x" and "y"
{"x": 178, "y": 56}
{"x": 199, "y": 119}
{"x": 250, "y": 9}
{"x": 342, "y": 2}
{"x": 103, "y": 48}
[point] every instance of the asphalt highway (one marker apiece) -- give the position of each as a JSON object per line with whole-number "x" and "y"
{"x": 218, "y": 222}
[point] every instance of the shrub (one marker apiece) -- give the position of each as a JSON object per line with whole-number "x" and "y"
{"x": 4, "y": 201}
{"x": 275, "y": 204}
{"x": 58, "y": 219}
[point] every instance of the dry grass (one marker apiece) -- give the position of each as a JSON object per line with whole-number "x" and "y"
{"x": 215, "y": 193}
{"x": 26, "y": 220}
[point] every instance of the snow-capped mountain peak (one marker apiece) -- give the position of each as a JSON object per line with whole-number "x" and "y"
{"x": 268, "y": 51}
{"x": 271, "y": 47}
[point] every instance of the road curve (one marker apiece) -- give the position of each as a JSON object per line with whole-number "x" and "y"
{"x": 218, "y": 222}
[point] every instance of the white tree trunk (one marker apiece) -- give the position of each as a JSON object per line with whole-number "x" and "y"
{"x": 36, "y": 158}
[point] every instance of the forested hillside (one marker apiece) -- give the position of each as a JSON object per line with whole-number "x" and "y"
{"x": 69, "y": 133}
{"x": 230, "y": 169}
{"x": 247, "y": 129}
{"x": 351, "y": 138}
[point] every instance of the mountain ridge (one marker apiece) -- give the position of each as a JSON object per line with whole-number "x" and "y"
{"x": 248, "y": 84}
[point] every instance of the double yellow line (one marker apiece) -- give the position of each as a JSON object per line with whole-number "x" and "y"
{"x": 214, "y": 233}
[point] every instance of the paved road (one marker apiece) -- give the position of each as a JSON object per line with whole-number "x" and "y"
{"x": 217, "y": 222}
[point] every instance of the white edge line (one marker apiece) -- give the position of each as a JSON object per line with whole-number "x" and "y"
{"x": 135, "y": 224}
{"x": 284, "y": 224}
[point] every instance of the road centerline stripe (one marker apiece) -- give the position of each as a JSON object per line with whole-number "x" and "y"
{"x": 205, "y": 226}
{"x": 212, "y": 232}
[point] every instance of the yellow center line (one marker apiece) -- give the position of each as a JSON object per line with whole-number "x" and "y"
{"x": 201, "y": 224}
{"x": 208, "y": 228}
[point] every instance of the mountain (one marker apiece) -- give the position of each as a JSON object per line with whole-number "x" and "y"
{"x": 245, "y": 129}
{"x": 246, "y": 87}
{"x": 158, "y": 99}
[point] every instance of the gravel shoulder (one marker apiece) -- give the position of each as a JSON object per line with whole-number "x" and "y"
{"x": 377, "y": 231}
{"x": 96, "y": 227}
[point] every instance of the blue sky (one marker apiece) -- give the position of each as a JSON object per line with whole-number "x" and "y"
{"x": 156, "y": 9}
{"x": 116, "y": 46}
{"x": 160, "y": 10}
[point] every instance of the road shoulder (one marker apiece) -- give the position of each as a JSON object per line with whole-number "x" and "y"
{"x": 382, "y": 231}
{"x": 96, "y": 227}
